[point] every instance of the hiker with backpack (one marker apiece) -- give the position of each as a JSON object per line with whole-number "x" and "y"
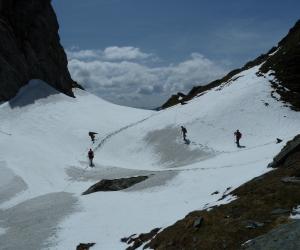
{"x": 91, "y": 157}
{"x": 92, "y": 135}
{"x": 238, "y": 136}
{"x": 184, "y": 132}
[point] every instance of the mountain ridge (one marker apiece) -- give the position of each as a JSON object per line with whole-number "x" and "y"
{"x": 285, "y": 57}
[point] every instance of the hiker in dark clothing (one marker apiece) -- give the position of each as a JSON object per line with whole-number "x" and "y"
{"x": 184, "y": 132}
{"x": 91, "y": 157}
{"x": 92, "y": 135}
{"x": 238, "y": 136}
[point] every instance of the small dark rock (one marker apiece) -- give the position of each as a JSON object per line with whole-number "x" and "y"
{"x": 293, "y": 180}
{"x": 85, "y": 246}
{"x": 254, "y": 224}
{"x": 216, "y": 192}
{"x": 198, "y": 222}
{"x": 279, "y": 211}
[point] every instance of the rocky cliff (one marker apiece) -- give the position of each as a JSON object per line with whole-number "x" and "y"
{"x": 30, "y": 47}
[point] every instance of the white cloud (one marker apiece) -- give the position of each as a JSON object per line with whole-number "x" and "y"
{"x": 124, "y": 79}
{"x": 113, "y": 53}
{"x": 124, "y": 53}
{"x": 84, "y": 54}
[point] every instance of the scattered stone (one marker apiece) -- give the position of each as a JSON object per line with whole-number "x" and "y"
{"x": 127, "y": 239}
{"x": 216, "y": 192}
{"x": 267, "y": 104}
{"x": 279, "y": 211}
{"x": 293, "y": 180}
{"x": 85, "y": 246}
{"x": 137, "y": 241}
{"x": 115, "y": 185}
{"x": 254, "y": 224}
{"x": 198, "y": 222}
{"x": 278, "y": 140}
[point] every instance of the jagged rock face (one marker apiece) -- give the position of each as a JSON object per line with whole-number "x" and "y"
{"x": 30, "y": 47}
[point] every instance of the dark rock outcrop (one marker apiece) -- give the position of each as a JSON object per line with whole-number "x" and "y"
{"x": 85, "y": 246}
{"x": 30, "y": 47}
{"x": 285, "y": 64}
{"x": 284, "y": 237}
{"x": 137, "y": 241}
{"x": 291, "y": 147}
{"x": 114, "y": 185}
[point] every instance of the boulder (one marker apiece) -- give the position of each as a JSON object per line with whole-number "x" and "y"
{"x": 114, "y": 185}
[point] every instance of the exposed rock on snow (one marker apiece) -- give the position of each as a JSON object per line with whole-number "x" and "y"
{"x": 137, "y": 241}
{"x": 115, "y": 185}
{"x": 291, "y": 147}
{"x": 84, "y": 246}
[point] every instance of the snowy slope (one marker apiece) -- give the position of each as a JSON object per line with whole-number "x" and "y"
{"x": 44, "y": 163}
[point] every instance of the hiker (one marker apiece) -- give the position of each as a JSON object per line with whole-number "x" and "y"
{"x": 238, "y": 136}
{"x": 184, "y": 132}
{"x": 91, "y": 157}
{"x": 92, "y": 135}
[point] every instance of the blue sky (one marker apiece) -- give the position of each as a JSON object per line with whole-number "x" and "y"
{"x": 168, "y": 34}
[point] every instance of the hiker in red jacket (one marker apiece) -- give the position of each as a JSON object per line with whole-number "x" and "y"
{"x": 91, "y": 157}
{"x": 238, "y": 136}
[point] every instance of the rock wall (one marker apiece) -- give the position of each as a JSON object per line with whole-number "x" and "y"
{"x": 30, "y": 47}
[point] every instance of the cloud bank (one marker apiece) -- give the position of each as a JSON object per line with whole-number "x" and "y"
{"x": 129, "y": 76}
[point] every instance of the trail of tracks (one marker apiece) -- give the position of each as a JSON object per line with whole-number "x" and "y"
{"x": 110, "y": 135}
